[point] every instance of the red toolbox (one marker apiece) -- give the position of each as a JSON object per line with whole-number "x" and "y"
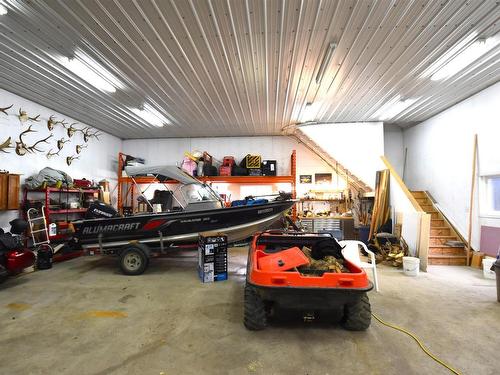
{"x": 225, "y": 170}
{"x": 228, "y": 161}
{"x": 82, "y": 183}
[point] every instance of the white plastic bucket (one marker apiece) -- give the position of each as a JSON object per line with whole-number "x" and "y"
{"x": 487, "y": 273}
{"x": 411, "y": 266}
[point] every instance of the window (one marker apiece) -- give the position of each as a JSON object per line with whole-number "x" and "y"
{"x": 491, "y": 195}
{"x": 197, "y": 193}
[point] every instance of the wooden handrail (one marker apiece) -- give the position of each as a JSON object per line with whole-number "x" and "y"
{"x": 454, "y": 229}
{"x": 402, "y": 184}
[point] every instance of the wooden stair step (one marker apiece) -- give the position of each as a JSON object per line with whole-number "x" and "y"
{"x": 429, "y": 209}
{"x": 446, "y": 250}
{"x": 437, "y": 223}
{"x": 435, "y": 215}
{"x": 423, "y": 201}
{"x": 440, "y": 240}
{"x": 448, "y": 260}
{"x": 440, "y": 231}
{"x": 419, "y": 194}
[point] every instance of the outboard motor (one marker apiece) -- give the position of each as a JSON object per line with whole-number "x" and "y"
{"x": 99, "y": 210}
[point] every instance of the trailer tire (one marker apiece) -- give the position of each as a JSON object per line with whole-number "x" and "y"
{"x": 134, "y": 259}
{"x": 357, "y": 316}
{"x": 255, "y": 318}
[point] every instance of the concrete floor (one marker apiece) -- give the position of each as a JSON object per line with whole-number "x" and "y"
{"x": 83, "y": 317}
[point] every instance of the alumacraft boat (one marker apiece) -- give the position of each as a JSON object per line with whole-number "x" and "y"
{"x": 191, "y": 207}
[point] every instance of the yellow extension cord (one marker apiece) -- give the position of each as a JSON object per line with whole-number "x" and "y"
{"x": 426, "y": 351}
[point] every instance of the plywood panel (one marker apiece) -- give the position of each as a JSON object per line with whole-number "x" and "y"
{"x": 423, "y": 246}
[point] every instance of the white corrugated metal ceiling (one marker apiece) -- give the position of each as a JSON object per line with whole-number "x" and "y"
{"x": 235, "y": 67}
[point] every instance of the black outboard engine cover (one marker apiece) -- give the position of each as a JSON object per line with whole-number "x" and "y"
{"x": 99, "y": 210}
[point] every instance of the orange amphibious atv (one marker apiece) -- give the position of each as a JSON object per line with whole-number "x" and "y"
{"x": 278, "y": 277}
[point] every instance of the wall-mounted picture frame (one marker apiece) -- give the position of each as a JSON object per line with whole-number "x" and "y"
{"x": 323, "y": 178}
{"x": 305, "y": 178}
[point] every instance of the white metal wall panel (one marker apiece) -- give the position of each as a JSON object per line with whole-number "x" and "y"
{"x": 242, "y": 67}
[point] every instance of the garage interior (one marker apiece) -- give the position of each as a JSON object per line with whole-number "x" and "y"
{"x": 249, "y": 186}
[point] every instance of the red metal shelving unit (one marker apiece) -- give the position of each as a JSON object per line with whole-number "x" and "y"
{"x": 49, "y": 213}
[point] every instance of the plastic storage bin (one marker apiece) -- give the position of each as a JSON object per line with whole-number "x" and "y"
{"x": 487, "y": 272}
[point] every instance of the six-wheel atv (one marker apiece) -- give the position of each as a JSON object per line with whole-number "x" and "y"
{"x": 278, "y": 278}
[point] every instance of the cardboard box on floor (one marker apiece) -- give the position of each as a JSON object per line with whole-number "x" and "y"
{"x": 212, "y": 256}
{"x": 477, "y": 258}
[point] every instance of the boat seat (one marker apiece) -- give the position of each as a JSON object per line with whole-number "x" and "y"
{"x": 163, "y": 197}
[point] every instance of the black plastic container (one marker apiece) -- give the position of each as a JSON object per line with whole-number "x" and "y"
{"x": 269, "y": 168}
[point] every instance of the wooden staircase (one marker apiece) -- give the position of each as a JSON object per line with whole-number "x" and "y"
{"x": 441, "y": 232}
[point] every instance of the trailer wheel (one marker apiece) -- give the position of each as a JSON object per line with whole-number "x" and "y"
{"x": 357, "y": 316}
{"x": 134, "y": 259}
{"x": 255, "y": 318}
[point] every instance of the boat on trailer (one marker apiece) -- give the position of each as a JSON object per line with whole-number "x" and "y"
{"x": 190, "y": 207}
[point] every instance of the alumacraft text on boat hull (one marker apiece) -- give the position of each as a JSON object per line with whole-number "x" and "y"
{"x": 178, "y": 227}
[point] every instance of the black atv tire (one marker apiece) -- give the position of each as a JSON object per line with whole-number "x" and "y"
{"x": 358, "y": 316}
{"x": 134, "y": 259}
{"x": 255, "y": 318}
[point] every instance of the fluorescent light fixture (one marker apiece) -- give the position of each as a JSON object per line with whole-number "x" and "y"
{"x": 89, "y": 70}
{"x": 458, "y": 58}
{"x": 325, "y": 62}
{"x": 3, "y": 10}
{"x": 151, "y": 115}
{"x": 394, "y": 107}
{"x": 310, "y": 112}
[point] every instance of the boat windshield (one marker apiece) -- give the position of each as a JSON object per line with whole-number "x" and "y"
{"x": 194, "y": 193}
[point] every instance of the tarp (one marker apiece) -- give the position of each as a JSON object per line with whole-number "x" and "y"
{"x": 50, "y": 176}
{"x": 166, "y": 171}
